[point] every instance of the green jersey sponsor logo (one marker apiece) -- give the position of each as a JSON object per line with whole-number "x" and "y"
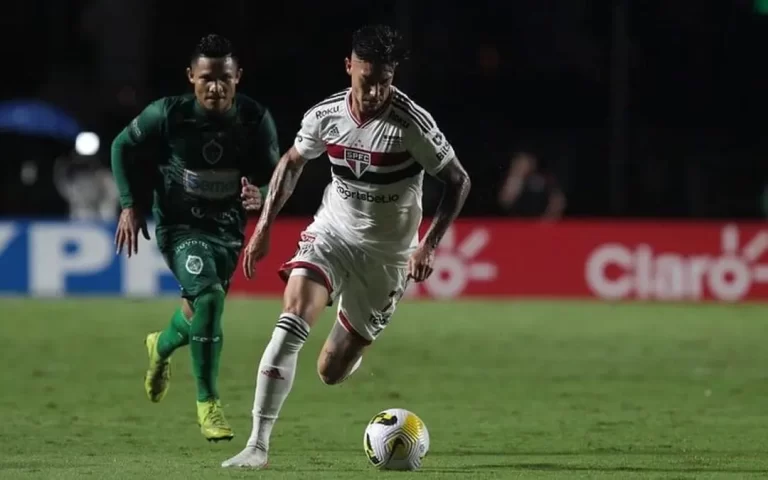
{"x": 211, "y": 184}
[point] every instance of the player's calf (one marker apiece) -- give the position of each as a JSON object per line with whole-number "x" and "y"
{"x": 304, "y": 300}
{"x": 341, "y": 355}
{"x": 206, "y": 341}
{"x": 160, "y": 346}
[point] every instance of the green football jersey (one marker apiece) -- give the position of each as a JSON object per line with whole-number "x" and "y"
{"x": 191, "y": 163}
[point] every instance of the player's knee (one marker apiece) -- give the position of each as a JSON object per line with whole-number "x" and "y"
{"x": 330, "y": 374}
{"x": 330, "y": 380}
{"x": 187, "y": 309}
{"x": 337, "y": 362}
{"x": 298, "y": 306}
{"x": 305, "y": 298}
{"x": 210, "y": 302}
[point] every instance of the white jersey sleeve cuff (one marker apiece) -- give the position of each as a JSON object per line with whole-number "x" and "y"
{"x": 448, "y": 159}
{"x": 306, "y": 151}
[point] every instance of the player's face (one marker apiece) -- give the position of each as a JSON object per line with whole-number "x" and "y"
{"x": 215, "y": 81}
{"x": 370, "y": 83}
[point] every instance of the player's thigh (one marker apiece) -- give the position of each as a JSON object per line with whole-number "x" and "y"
{"x": 193, "y": 262}
{"x": 314, "y": 276}
{"x": 226, "y": 260}
{"x": 365, "y": 308}
{"x": 305, "y": 295}
{"x": 187, "y": 307}
{"x": 368, "y": 304}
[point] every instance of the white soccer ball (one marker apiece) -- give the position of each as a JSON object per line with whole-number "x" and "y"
{"x": 396, "y": 439}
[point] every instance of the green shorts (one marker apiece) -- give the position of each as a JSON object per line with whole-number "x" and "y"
{"x": 198, "y": 263}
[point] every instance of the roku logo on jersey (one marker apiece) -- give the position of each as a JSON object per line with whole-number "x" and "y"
{"x": 616, "y": 271}
{"x": 399, "y": 119}
{"x": 327, "y": 111}
{"x": 348, "y": 194}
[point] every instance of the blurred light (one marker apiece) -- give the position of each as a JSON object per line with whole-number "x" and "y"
{"x": 761, "y": 7}
{"x": 87, "y": 143}
{"x": 28, "y": 173}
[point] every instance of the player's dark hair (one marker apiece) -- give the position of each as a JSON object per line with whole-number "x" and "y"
{"x": 213, "y": 46}
{"x": 379, "y": 44}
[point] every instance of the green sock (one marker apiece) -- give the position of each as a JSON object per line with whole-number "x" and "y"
{"x": 174, "y": 336}
{"x": 206, "y": 341}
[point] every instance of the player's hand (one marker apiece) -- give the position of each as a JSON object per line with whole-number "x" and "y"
{"x": 251, "y": 196}
{"x": 127, "y": 233}
{"x": 257, "y": 248}
{"x": 420, "y": 263}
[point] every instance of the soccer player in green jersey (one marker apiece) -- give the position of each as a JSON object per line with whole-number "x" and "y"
{"x": 199, "y": 157}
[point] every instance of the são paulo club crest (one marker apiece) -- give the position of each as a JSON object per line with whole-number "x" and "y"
{"x": 357, "y": 160}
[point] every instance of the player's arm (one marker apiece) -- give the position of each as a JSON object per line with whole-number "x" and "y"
{"x": 431, "y": 149}
{"x": 267, "y": 149}
{"x": 306, "y": 146}
{"x": 284, "y": 180}
{"x": 129, "y": 159}
{"x": 129, "y": 162}
{"x": 456, "y": 186}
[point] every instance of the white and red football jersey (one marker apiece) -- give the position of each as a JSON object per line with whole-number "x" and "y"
{"x": 374, "y": 198}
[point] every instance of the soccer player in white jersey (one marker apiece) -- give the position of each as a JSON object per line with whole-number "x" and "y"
{"x": 363, "y": 245}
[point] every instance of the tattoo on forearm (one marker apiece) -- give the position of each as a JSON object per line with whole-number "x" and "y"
{"x": 455, "y": 191}
{"x": 281, "y": 187}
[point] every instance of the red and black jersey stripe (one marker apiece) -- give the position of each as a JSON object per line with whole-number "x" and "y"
{"x": 376, "y": 159}
{"x": 377, "y": 178}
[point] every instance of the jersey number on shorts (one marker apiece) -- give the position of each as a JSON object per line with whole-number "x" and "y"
{"x": 382, "y": 317}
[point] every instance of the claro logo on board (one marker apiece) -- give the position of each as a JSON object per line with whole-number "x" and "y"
{"x": 616, "y": 271}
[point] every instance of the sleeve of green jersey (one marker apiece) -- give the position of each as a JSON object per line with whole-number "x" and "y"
{"x": 129, "y": 165}
{"x": 267, "y": 149}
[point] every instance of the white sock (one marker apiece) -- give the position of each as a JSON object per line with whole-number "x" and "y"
{"x": 275, "y": 376}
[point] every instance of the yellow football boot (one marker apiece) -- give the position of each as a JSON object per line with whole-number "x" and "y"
{"x": 213, "y": 424}
{"x": 158, "y": 376}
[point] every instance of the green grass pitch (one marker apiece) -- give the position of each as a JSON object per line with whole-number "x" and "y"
{"x": 507, "y": 389}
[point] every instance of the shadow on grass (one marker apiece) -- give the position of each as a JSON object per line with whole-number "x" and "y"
{"x": 571, "y": 453}
{"x": 554, "y": 467}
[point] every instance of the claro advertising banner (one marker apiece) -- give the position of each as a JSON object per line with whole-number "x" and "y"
{"x": 653, "y": 261}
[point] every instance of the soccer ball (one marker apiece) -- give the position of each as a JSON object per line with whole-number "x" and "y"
{"x": 396, "y": 439}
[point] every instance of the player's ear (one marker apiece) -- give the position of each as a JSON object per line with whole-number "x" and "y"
{"x": 238, "y": 75}
{"x": 190, "y": 75}
{"x": 348, "y": 66}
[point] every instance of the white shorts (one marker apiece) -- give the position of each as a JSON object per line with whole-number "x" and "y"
{"x": 368, "y": 290}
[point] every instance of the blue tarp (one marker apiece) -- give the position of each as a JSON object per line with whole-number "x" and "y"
{"x": 34, "y": 117}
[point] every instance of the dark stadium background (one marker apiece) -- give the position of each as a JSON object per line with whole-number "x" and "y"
{"x": 650, "y": 108}
{"x": 627, "y": 341}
